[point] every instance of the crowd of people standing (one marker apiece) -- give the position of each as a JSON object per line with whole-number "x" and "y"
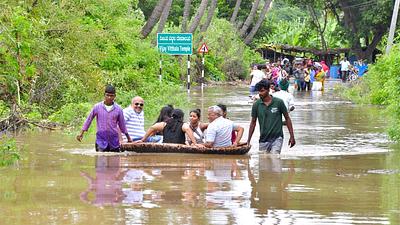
{"x": 306, "y": 74}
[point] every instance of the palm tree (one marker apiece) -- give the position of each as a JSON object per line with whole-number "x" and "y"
{"x": 164, "y": 16}
{"x": 198, "y": 16}
{"x": 210, "y": 15}
{"x": 186, "y": 12}
{"x": 235, "y": 11}
{"x": 249, "y": 18}
{"x": 153, "y": 19}
{"x": 260, "y": 20}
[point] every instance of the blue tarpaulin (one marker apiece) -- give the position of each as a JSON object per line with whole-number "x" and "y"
{"x": 362, "y": 69}
{"x": 334, "y": 70}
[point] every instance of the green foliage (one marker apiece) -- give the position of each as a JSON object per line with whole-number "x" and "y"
{"x": 9, "y": 152}
{"x": 155, "y": 95}
{"x": 292, "y": 25}
{"x": 16, "y": 54}
{"x": 211, "y": 68}
{"x": 72, "y": 114}
{"x": 357, "y": 93}
{"x": 367, "y": 19}
{"x": 176, "y": 11}
{"x": 63, "y": 53}
{"x": 4, "y": 109}
{"x": 381, "y": 86}
{"x": 229, "y": 58}
{"x": 67, "y": 51}
{"x": 226, "y": 7}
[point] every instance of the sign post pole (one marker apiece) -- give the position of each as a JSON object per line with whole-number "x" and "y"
{"x": 188, "y": 73}
{"x": 203, "y": 49}
{"x": 160, "y": 75}
{"x": 202, "y": 72}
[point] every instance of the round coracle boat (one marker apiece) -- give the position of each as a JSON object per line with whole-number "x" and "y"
{"x": 241, "y": 149}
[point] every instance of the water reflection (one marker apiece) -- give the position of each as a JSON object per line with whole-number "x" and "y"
{"x": 106, "y": 185}
{"x": 154, "y": 181}
{"x": 262, "y": 189}
{"x": 270, "y": 184}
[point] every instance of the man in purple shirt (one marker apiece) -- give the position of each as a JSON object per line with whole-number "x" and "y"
{"x": 109, "y": 117}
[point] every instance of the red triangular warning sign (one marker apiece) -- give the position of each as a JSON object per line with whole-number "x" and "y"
{"x": 203, "y": 48}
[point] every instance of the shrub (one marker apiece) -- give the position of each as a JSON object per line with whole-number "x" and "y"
{"x": 9, "y": 152}
{"x": 381, "y": 86}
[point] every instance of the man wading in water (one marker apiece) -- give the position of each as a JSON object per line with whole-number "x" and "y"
{"x": 269, "y": 110}
{"x": 109, "y": 117}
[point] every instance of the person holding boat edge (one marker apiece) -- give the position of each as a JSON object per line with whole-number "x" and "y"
{"x": 134, "y": 120}
{"x": 219, "y": 131}
{"x": 109, "y": 117}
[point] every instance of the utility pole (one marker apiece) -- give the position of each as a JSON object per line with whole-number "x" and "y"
{"x": 392, "y": 26}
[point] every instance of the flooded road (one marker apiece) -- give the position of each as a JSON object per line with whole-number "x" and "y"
{"x": 342, "y": 170}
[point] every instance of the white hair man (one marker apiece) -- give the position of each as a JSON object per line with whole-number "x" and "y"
{"x": 219, "y": 131}
{"x": 134, "y": 120}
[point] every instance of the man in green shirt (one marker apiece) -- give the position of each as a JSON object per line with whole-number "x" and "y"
{"x": 269, "y": 110}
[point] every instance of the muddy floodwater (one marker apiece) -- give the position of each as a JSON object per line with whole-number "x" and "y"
{"x": 343, "y": 170}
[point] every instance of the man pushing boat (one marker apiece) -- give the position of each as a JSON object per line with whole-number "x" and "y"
{"x": 109, "y": 117}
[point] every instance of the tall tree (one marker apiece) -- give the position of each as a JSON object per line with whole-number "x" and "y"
{"x": 235, "y": 11}
{"x": 259, "y": 22}
{"x": 368, "y": 19}
{"x": 164, "y": 16}
{"x": 210, "y": 15}
{"x": 153, "y": 19}
{"x": 358, "y": 18}
{"x": 198, "y": 16}
{"x": 320, "y": 28}
{"x": 249, "y": 18}
{"x": 186, "y": 12}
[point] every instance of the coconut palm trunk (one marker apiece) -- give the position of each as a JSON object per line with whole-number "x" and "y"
{"x": 164, "y": 16}
{"x": 210, "y": 15}
{"x": 235, "y": 11}
{"x": 153, "y": 19}
{"x": 186, "y": 12}
{"x": 198, "y": 16}
{"x": 249, "y": 18}
{"x": 259, "y": 22}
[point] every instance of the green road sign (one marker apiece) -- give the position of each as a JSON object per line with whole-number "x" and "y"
{"x": 175, "y": 43}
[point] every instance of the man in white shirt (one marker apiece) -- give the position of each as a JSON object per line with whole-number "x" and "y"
{"x": 256, "y": 76}
{"x": 286, "y": 97}
{"x": 134, "y": 120}
{"x": 344, "y": 69}
{"x": 219, "y": 131}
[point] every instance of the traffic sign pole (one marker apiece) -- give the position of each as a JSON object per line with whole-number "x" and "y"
{"x": 202, "y": 72}
{"x": 203, "y": 49}
{"x": 188, "y": 73}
